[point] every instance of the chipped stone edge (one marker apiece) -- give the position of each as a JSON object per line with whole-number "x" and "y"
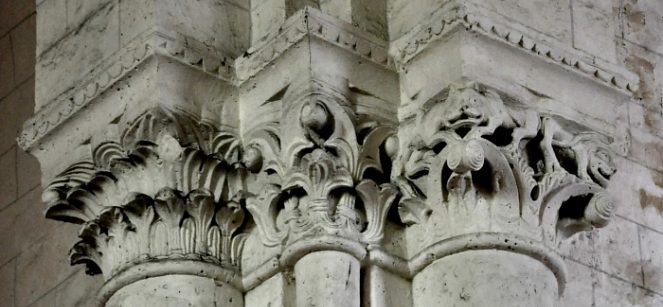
{"x": 452, "y": 16}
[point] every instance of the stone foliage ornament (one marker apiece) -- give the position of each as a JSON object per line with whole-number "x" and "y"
{"x": 326, "y": 153}
{"x": 147, "y": 197}
{"x": 466, "y": 166}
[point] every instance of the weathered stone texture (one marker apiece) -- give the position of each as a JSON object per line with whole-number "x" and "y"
{"x": 621, "y": 265}
{"x": 21, "y": 235}
{"x": 594, "y": 28}
{"x": 643, "y": 23}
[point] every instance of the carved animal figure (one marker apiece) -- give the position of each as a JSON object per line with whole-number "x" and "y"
{"x": 588, "y": 151}
{"x": 472, "y": 111}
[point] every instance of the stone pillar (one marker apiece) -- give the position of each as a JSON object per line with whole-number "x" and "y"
{"x": 328, "y": 278}
{"x": 310, "y": 153}
{"x": 176, "y": 290}
{"x": 485, "y": 278}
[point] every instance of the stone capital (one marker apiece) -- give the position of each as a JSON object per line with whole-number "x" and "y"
{"x": 326, "y": 145}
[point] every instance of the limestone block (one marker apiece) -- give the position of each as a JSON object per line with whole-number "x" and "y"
{"x": 594, "y": 28}
{"x": 39, "y": 270}
{"x": 582, "y": 249}
{"x": 646, "y": 118}
{"x": 641, "y": 193}
{"x": 621, "y": 235}
{"x": 137, "y": 17}
{"x": 23, "y": 44}
{"x": 611, "y": 291}
{"x": 7, "y": 64}
{"x": 78, "y": 11}
{"x": 652, "y": 259}
{"x": 51, "y": 23}
{"x": 643, "y": 23}
{"x": 403, "y": 15}
{"x": 371, "y": 17}
{"x": 646, "y": 149}
{"x": 79, "y": 290}
{"x": 21, "y": 215}
{"x": 8, "y": 184}
{"x": 7, "y": 278}
{"x": 77, "y": 54}
{"x": 341, "y": 9}
{"x": 292, "y": 6}
{"x": 643, "y": 63}
{"x": 12, "y": 12}
{"x": 551, "y": 18}
{"x": 218, "y": 24}
{"x": 265, "y": 16}
{"x": 27, "y": 172}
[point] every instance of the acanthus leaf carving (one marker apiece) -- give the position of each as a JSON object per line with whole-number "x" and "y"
{"x": 468, "y": 163}
{"x": 377, "y": 202}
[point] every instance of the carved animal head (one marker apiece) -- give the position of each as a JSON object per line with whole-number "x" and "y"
{"x": 464, "y": 109}
{"x": 600, "y": 166}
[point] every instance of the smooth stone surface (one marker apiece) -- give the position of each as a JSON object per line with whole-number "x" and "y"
{"x": 327, "y": 278}
{"x": 485, "y": 278}
{"x": 176, "y": 291}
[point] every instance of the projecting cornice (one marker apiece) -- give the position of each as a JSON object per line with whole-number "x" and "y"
{"x": 453, "y": 16}
{"x": 311, "y": 23}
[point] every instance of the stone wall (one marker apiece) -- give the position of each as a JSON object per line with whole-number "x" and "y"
{"x": 34, "y": 269}
{"x": 621, "y": 265}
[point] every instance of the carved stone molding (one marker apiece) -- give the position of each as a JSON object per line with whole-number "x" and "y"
{"x": 469, "y": 171}
{"x": 360, "y": 158}
{"x": 459, "y": 14}
{"x": 310, "y": 23}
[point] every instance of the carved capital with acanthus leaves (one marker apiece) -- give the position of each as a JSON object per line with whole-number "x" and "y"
{"x": 316, "y": 172}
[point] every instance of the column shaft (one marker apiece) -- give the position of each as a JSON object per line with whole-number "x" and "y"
{"x": 485, "y": 278}
{"x": 328, "y": 278}
{"x": 176, "y": 291}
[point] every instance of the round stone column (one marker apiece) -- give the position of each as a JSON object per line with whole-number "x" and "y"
{"x": 328, "y": 278}
{"x": 176, "y": 291}
{"x": 164, "y": 282}
{"x": 327, "y": 270}
{"x": 485, "y": 278}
